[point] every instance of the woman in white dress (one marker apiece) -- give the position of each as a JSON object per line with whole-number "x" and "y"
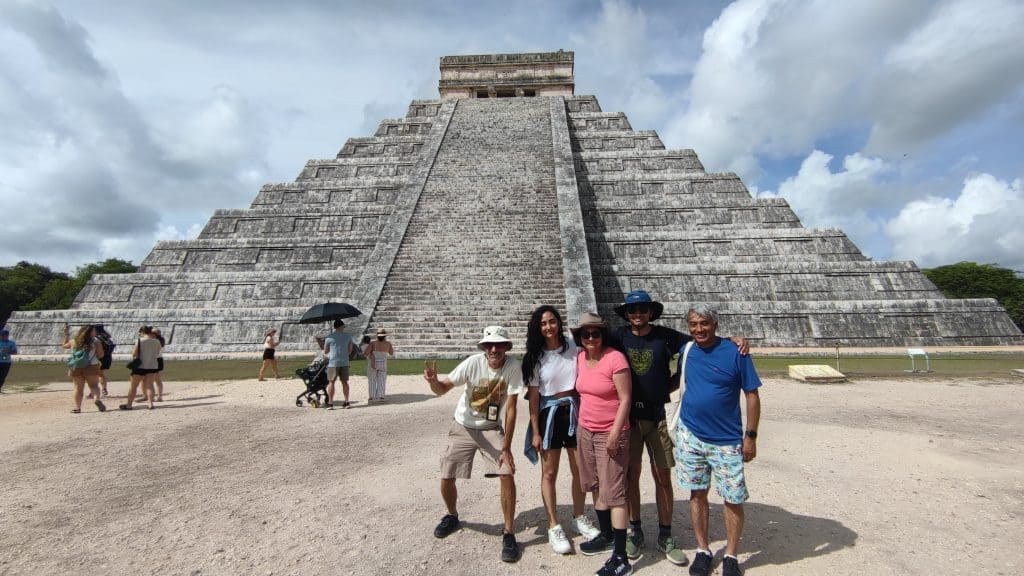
{"x": 377, "y": 353}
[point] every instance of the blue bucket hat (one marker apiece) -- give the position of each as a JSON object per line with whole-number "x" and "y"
{"x": 640, "y": 297}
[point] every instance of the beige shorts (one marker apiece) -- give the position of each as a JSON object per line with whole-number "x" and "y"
{"x": 600, "y": 472}
{"x": 464, "y": 443}
{"x": 655, "y": 436}
{"x": 339, "y": 372}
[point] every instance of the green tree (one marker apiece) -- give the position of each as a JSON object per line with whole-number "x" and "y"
{"x": 27, "y": 286}
{"x": 22, "y": 283}
{"x": 972, "y": 280}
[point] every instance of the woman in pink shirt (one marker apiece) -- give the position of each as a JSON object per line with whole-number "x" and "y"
{"x": 605, "y": 389}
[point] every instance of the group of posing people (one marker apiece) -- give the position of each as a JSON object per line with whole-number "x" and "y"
{"x": 91, "y": 356}
{"x": 601, "y": 397}
{"x": 337, "y": 347}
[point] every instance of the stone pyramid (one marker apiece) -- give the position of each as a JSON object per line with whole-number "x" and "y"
{"x": 506, "y": 193}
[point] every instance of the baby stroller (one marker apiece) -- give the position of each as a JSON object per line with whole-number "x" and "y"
{"x": 314, "y": 377}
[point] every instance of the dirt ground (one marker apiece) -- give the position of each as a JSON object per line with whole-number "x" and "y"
{"x": 911, "y": 476}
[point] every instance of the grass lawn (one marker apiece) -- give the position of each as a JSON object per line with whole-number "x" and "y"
{"x": 31, "y": 374}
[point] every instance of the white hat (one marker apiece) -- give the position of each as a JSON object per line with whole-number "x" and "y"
{"x": 494, "y": 334}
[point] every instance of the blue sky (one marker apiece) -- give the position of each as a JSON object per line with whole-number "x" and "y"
{"x": 125, "y": 122}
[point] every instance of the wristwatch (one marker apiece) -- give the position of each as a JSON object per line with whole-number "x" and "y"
{"x": 752, "y": 434}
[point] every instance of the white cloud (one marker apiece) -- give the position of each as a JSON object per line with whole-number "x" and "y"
{"x": 961, "y": 59}
{"x": 983, "y": 224}
{"x": 822, "y": 198}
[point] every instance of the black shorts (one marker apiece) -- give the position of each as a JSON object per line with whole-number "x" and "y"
{"x": 143, "y": 371}
{"x": 268, "y": 353}
{"x": 560, "y": 437}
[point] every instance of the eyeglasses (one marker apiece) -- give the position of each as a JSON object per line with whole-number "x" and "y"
{"x": 590, "y": 334}
{"x": 638, "y": 308}
{"x": 489, "y": 345}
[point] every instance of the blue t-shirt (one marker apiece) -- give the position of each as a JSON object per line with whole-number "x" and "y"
{"x": 338, "y": 355}
{"x": 711, "y": 402}
{"x": 6, "y": 347}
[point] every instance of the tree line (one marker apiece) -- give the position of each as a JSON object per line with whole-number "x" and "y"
{"x": 27, "y": 286}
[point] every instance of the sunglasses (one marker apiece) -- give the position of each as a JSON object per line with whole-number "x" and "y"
{"x": 638, "y": 308}
{"x": 489, "y": 345}
{"x": 590, "y": 334}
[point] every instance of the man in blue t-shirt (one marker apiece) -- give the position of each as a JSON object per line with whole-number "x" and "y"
{"x": 711, "y": 437}
{"x": 337, "y": 348}
{"x": 7, "y": 349}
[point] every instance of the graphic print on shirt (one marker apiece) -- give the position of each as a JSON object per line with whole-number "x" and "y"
{"x": 485, "y": 392}
{"x": 640, "y": 360}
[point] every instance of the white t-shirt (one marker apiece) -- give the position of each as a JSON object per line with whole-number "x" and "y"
{"x": 484, "y": 387}
{"x": 556, "y": 371}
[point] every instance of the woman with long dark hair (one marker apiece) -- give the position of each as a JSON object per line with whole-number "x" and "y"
{"x": 549, "y": 371}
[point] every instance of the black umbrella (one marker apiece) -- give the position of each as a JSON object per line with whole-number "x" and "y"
{"x": 329, "y": 311}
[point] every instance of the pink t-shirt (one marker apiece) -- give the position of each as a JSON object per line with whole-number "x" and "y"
{"x": 598, "y": 399}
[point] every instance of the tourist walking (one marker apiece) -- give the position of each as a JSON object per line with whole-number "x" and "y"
{"x": 84, "y": 364}
{"x": 8, "y": 348}
{"x": 107, "y": 341}
{"x": 711, "y": 436}
{"x": 144, "y": 367}
{"x": 485, "y": 419}
{"x": 603, "y": 383}
{"x": 549, "y": 374}
{"x": 269, "y": 360}
{"x": 158, "y": 379}
{"x": 377, "y": 353}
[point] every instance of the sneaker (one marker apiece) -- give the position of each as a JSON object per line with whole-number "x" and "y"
{"x": 672, "y": 554}
{"x": 446, "y": 526}
{"x": 510, "y": 548}
{"x": 634, "y": 544}
{"x": 585, "y": 528}
{"x": 597, "y": 545}
{"x": 731, "y": 567}
{"x": 701, "y": 564}
{"x": 559, "y": 543}
{"x": 615, "y": 566}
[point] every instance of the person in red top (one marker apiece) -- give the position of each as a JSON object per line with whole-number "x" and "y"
{"x": 605, "y": 388}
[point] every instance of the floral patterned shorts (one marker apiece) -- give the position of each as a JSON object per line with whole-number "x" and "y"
{"x": 696, "y": 461}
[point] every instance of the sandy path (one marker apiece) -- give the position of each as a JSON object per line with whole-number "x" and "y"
{"x": 876, "y": 476}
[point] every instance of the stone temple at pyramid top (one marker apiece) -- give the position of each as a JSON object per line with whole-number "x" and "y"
{"x": 507, "y": 75}
{"x": 508, "y": 192}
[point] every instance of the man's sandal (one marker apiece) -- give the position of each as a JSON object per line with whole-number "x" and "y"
{"x": 124, "y": 407}
{"x": 76, "y": 411}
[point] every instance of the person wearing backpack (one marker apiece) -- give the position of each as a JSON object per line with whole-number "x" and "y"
{"x": 107, "y": 341}
{"x": 84, "y": 364}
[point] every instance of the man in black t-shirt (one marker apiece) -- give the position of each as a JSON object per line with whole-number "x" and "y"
{"x": 649, "y": 349}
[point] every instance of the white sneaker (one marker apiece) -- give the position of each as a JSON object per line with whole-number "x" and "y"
{"x": 559, "y": 543}
{"x": 585, "y": 528}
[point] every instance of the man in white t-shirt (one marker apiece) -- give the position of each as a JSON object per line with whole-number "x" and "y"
{"x": 485, "y": 419}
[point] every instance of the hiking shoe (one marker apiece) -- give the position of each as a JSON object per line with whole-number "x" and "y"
{"x": 701, "y": 564}
{"x": 559, "y": 543}
{"x": 510, "y": 548}
{"x": 634, "y": 544}
{"x": 446, "y": 526}
{"x": 731, "y": 567}
{"x": 615, "y": 566}
{"x": 597, "y": 545}
{"x": 585, "y": 528}
{"x": 672, "y": 554}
